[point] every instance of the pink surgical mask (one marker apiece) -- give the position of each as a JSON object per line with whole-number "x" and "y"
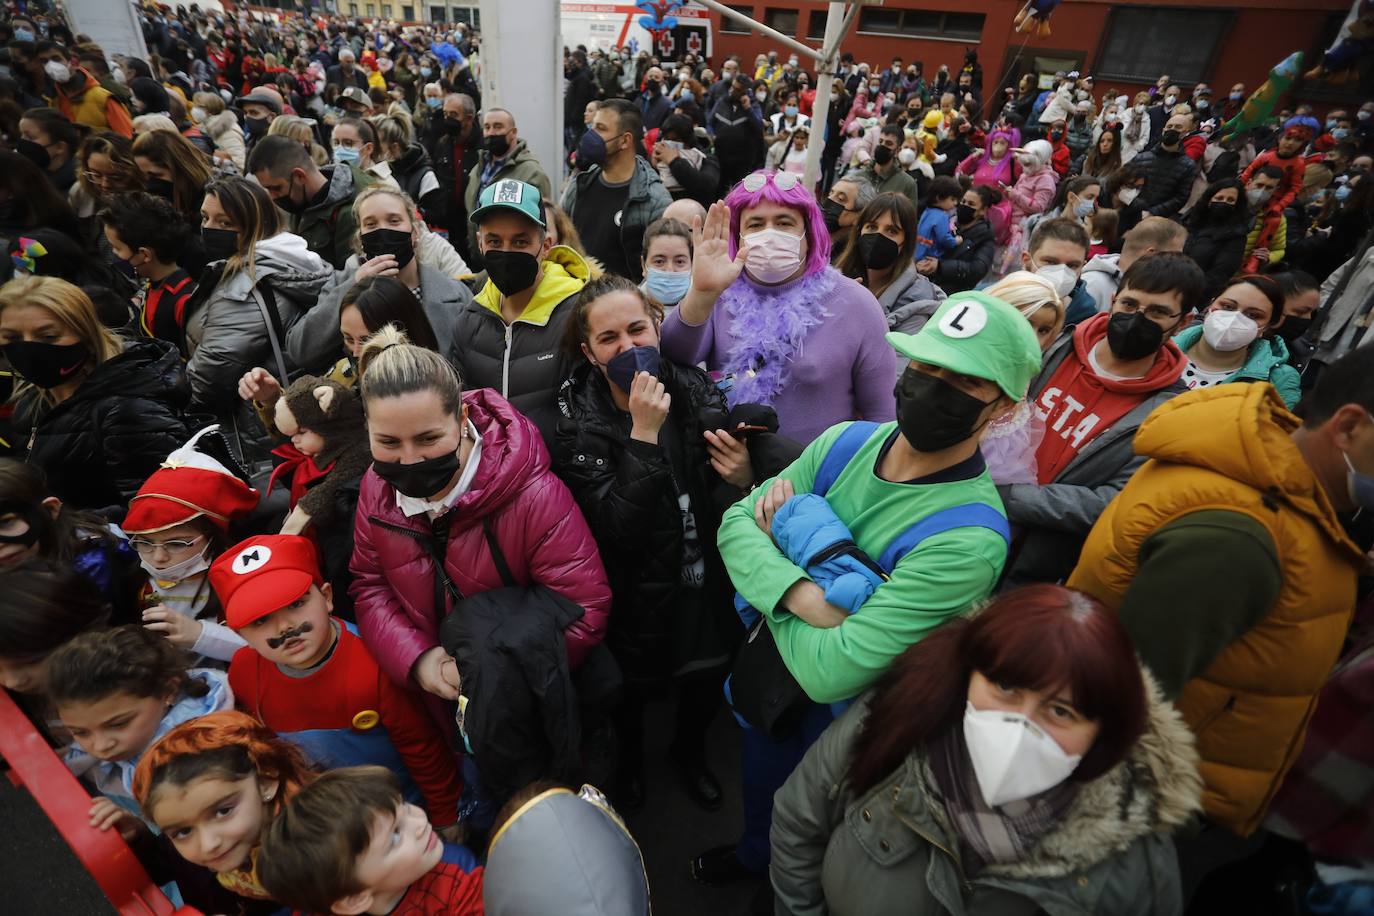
{"x": 773, "y": 256}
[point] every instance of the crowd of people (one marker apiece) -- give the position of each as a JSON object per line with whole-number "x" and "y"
{"x": 361, "y": 498}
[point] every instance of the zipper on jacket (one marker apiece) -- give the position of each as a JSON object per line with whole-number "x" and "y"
{"x": 505, "y": 362}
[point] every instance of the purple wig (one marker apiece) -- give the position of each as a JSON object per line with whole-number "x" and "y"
{"x": 800, "y": 199}
{"x": 999, "y": 134}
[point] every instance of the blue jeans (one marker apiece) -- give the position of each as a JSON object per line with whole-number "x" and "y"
{"x": 766, "y": 766}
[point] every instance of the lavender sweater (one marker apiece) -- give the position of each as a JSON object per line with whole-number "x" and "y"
{"x": 843, "y": 370}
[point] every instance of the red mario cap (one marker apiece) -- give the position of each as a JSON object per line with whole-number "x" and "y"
{"x": 263, "y": 574}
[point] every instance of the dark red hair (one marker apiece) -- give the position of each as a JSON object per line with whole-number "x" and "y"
{"x": 1039, "y": 637}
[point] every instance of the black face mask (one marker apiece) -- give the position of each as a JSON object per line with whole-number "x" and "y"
{"x": 1131, "y": 335}
{"x": 877, "y": 251}
{"x": 256, "y": 126}
{"x": 46, "y": 365}
{"x": 882, "y": 155}
{"x": 159, "y": 187}
{"x": 496, "y": 144}
{"x": 932, "y": 414}
{"x": 452, "y": 125}
{"x": 389, "y": 241}
{"x": 964, "y": 214}
{"x": 1293, "y": 327}
{"x": 420, "y": 480}
{"x": 1169, "y": 138}
{"x": 1219, "y": 210}
{"x": 511, "y": 271}
{"x": 832, "y": 212}
{"x": 220, "y": 244}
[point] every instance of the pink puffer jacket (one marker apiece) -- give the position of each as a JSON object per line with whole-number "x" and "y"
{"x": 533, "y": 517}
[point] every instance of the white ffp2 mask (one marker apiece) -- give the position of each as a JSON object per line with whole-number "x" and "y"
{"x": 1012, "y": 757}
{"x": 1229, "y": 331}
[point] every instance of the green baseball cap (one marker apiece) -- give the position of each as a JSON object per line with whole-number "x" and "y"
{"x": 510, "y": 194}
{"x": 980, "y": 335}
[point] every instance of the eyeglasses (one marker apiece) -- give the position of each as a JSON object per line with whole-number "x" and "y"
{"x": 146, "y": 547}
{"x": 1153, "y": 312}
{"x": 783, "y": 181}
{"x": 101, "y": 178}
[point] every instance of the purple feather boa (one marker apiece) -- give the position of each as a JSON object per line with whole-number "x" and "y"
{"x": 768, "y": 325}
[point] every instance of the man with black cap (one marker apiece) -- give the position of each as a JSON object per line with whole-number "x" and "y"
{"x": 512, "y": 331}
{"x": 259, "y": 107}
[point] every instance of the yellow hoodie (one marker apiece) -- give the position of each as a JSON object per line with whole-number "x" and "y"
{"x": 565, "y": 273}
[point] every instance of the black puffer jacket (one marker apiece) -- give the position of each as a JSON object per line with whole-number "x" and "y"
{"x": 969, "y": 262}
{"x": 1218, "y": 248}
{"x": 98, "y": 446}
{"x": 1168, "y": 180}
{"x": 628, "y": 491}
{"x": 410, "y": 171}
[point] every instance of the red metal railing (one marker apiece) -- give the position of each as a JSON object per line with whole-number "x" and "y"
{"x": 33, "y": 766}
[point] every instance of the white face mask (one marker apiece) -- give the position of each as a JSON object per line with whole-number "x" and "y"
{"x": 1012, "y": 757}
{"x": 773, "y": 256}
{"x": 1229, "y": 331}
{"x": 197, "y": 114}
{"x": 1126, "y": 195}
{"x": 1257, "y": 196}
{"x": 1169, "y": 100}
{"x": 187, "y": 568}
{"x": 1061, "y": 277}
{"x": 58, "y": 72}
{"x": 1140, "y": 109}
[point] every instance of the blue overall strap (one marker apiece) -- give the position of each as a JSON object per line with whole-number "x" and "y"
{"x": 970, "y": 515}
{"x": 841, "y": 452}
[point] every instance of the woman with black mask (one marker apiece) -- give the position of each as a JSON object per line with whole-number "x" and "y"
{"x": 969, "y": 262}
{"x": 879, "y": 255}
{"x": 389, "y": 245}
{"x": 1217, "y": 227}
{"x": 173, "y": 169}
{"x": 59, "y": 137}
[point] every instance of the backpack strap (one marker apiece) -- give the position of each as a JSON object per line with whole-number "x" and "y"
{"x": 970, "y": 515}
{"x": 498, "y": 556}
{"x": 841, "y": 452}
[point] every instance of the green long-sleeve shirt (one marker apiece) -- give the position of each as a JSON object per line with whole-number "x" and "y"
{"x": 934, "y": 582}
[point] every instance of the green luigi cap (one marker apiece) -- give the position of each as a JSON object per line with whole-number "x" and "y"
{"x": 509, "y": 194}
{"x": 980, "y": 335}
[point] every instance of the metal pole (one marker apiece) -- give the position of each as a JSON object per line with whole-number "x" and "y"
{"x": 765, "y": 30}
{"x": 836, "y": 25}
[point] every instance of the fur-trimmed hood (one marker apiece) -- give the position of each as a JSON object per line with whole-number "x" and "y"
{"x": 1157, "y": 788}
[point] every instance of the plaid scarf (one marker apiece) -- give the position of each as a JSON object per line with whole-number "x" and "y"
{"x": 988, "y": 835}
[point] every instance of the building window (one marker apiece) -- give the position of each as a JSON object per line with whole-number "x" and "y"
{"x": 468, "y": 14}
{"x": 815, "y": 25}
{"x": 921, "y": 23}
{"x": 730, "y": 25}
{"x": 353, "y": 10}
{"x": 386, "y": 10}
{"x": 437, "y": 14}
{"x": 1142, "y": 43}
{"x": 372, "y": 10}
{"x": 785, "y": 21}
{"x": 408, "y": 13}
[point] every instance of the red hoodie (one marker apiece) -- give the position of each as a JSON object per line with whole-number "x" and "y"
{"x": 1078, "y": 404}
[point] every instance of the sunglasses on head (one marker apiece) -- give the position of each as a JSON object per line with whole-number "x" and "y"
{"x": 783, "y": 181}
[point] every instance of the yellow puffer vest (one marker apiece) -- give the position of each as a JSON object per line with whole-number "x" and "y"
{"x": 89, "y": 107}
{"x": 1229, "y": 447}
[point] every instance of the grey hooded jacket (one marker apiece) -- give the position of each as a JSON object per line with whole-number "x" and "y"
{"x": 910, "y": 301}
{"x": 227, "y": 332}
{"x": 893, "y": 849}
{"x": 1051, "y": 522}
{"x": 314, "y": 343}
{"x": 1101, "y": 277}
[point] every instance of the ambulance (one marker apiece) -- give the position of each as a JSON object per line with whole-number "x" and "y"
{"x": 617, "y": 25}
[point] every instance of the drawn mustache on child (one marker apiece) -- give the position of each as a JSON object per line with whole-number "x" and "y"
{"x": 276, "y": 642}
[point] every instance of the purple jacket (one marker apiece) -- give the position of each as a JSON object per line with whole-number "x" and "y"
{"x": 534, "y": 519}
{"x": 843, "y": 371}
